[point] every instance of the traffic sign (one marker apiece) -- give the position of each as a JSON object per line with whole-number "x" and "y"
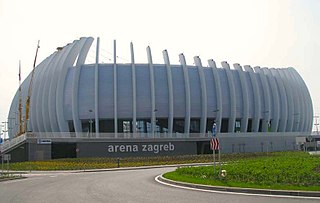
{"x": 44, "y": 141}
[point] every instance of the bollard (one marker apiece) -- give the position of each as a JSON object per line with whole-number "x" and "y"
{"x": 118, "y": 161}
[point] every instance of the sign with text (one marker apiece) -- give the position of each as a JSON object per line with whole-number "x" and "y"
{"x": 126, "y": 149}
{"x": 153, "y": 148}
{"x": 44, "y": 141}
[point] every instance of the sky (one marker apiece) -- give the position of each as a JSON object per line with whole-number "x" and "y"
{"x": 266, "y": 33}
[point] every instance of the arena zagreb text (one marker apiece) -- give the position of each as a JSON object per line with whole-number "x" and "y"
{"x": 155, "y": 148}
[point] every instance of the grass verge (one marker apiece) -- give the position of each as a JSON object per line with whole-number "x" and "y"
{"x": 100, "y": 163}
{"x": 282, "y": 170}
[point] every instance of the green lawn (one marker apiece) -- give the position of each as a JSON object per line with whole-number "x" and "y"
{"x": 281, "y": 170}
{"x": 99, "y": 163}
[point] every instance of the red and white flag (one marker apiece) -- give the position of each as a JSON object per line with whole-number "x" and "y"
{"x": 214, "y": 144}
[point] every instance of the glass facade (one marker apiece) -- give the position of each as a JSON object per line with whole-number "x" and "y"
{"x": 161, "y": 125}
{"x": 237, "y": 127}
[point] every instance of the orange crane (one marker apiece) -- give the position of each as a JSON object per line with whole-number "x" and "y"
{"x": 20, "y": 102}
{"x": 26, "y": 119}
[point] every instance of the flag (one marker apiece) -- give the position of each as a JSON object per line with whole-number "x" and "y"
{"x": 214, "y": 130}
{"x": 214, "y": 144}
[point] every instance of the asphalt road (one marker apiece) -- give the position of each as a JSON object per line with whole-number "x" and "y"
{"x": 114, "y": 186}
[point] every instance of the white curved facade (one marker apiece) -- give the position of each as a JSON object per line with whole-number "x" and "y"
{"x": 69, "y": 95}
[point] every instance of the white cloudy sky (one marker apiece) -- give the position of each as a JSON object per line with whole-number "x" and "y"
{"x": 268, "y": 33}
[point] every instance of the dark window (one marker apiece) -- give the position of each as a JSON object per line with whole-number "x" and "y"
{"x": 224, "y": 125}
{"x": 195, "y": 125}
{"x": 178, "y": 125}
{"x": 88, "y": 125}
{"x": 237, "y": 127}
{"x": 260, "y": 125}
{"x": 269, "y": 125}
{"x": 71, "y": 126}
{"x": 162, "y": 125}
{"x": 106, "y": 126}
{"x": 124, "y": 125}
{"x": 210, "y": 122}
{"x": 249, "y": 128}
{"x": 143, "y": 126}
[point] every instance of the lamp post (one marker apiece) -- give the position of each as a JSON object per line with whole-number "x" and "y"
{"x": 316, "y": 124}
{"x": 90, "y": 124}
{"x": 154, "y": 124}
{"x": 10, "y": 126}
{"x": 215, "y": 131}
{"x": 267, "y": 120}
{"x": 1, "y": 140}
{"x": 5, "y": 128}
{"x": 215, "y": 121}
{"x": 1, "y": 133}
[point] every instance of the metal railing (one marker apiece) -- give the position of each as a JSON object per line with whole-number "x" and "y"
{"x": 115, "y": 135}
{"x": 57, "y": 135}
{"x": 12, "y": 143}
{"x": 9, "y": 144}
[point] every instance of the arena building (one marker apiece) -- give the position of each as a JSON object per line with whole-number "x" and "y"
{"x": 164, "y": 104}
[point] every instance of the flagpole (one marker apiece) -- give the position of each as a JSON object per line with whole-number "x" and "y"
{"x": 214, "y": 161}
{"x": 214, "y": 133}
{"x": 219, "y": 163}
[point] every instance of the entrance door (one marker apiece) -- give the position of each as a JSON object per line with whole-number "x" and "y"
{"x": 63, "y": 150}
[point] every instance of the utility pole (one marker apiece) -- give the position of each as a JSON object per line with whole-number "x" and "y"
{"x": 316, "y": 124}
{"x": 5, "y": 128}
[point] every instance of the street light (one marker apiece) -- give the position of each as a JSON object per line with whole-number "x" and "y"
{"x": 154, "y": 122}
{"x": 317, "y": 124}
{"x": 1, "y": 131}
{"x": 10, "y": 126}
{"x": 215, "y": 120}
{"x": 216, "y": 110}
{"x": 90, "y": 123}
{"x": 5, "y": 128}
{"x": 267, "y": 120}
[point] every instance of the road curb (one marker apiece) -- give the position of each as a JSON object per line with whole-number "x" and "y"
{"x": 109, "y": 169}
{"x": 11, "y": 178}
{"x": 242, "y": 190}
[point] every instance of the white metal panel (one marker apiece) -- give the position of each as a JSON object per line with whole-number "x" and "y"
{"x": 257, "y": 102}
{"x": 266, "y": 98}
{"x": 232, "y": 93}
{"x": 203, "y": 121}
{"x": 53, "y": 88}
{"x": 297, "y": 116}
{"x": 38, "y": 86}
{"x": 275, "y": 98}
{"x": 115, "y": 93}
{"x": 134, "y": 92}
{"x": 67, "y": 63}
{"x": 75, "y": 99}
{"x": 187, "y": 93}
{"x": 283, "y": 101}
{"x": 170, "y": 89}
{"x": 96, "y": 89}
{"x": 306, "y": 103}
{"x": 245, "y": 101}
{"x": 290, "y": 103}
{"x": 216, "y": 78}
{"x": 309, "y": 103}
